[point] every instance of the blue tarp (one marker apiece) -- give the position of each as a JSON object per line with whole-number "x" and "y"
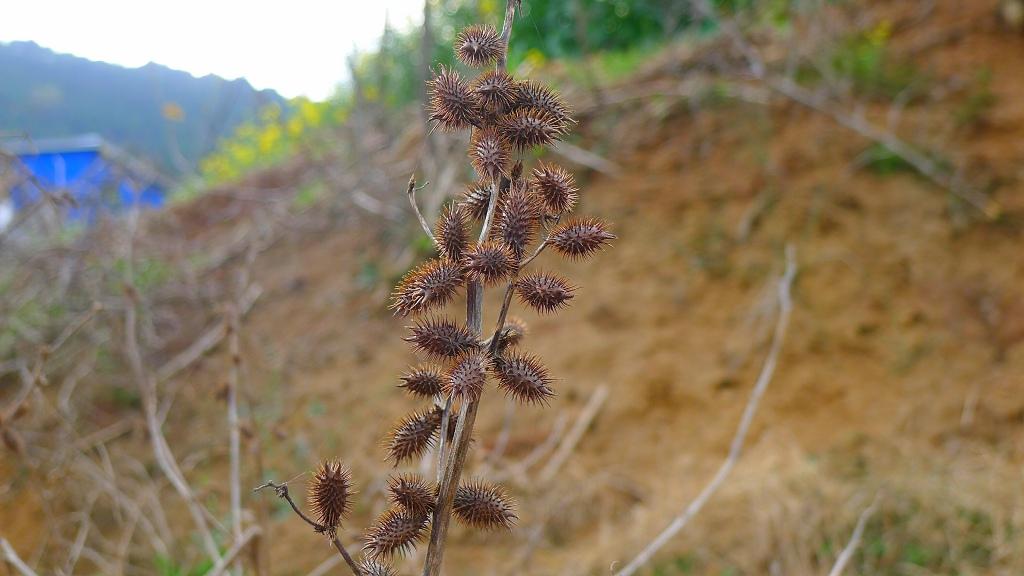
{"x": 96, "y": 183}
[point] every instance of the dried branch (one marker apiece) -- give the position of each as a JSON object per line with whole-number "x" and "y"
{"x": 232, "y": 554}
{"x": 12, "y": 558}
{"x": 736, "y": 447}
{"x": 210, "y": 339}
{"x": 858, "y": 533}
{"x": 587, "y": 158}
{"x": 568, "y": 445}
{"x": 411, "y": 193}
{"x": 519, "y": 469}
{"x": 234, "y": 430}
{"x": 282, "y": 492}
{"x": 161, "y": 451}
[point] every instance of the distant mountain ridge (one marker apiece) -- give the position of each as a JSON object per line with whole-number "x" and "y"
{"x": 167, "y": 116}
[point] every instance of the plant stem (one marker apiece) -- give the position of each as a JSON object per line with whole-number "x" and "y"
{"x": 474, "y": 322}
{"x": 443, "y": 437}
{"x": 234, "y": 432}
{"x": 344, "y": 554}
{"x": 411, "y": 193}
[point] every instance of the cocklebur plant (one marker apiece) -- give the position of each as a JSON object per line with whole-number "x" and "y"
{"x": 486, "y": 239}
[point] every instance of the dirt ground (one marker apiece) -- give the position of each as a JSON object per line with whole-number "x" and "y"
{"x": 901, "y": 373}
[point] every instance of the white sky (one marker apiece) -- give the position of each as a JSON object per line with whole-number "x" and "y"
{"x": 297, "y": 47}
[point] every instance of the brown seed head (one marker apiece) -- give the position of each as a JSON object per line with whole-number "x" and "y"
{"x": 395, "y": 531}
{"x": 441, "y": 338}
{"x": 544, "y": 292}
{"x": 452, "y": 232}
{"x": 523, "y": 377}
{"x": 465, "y": 380}
{"x": 528, "y": 127}
{"x": 533, "y": 94}
{"x": 517, "y": 172}
{"x": 478, "y": 45}
{"x": 512, "y": 333}
{"x": 375, "y": 568}
{"x": 429, "y": 285}
{"x": 452, "y": 104}
{"x": 578, "y": 239}
{"x": 490, "y": 261}
{"x": 556, "y": 187}
{"x": 329, "y": 492}
{"x": 488, "y": 153}
{"x": 413, "y": 435}
{"x": 423, "y": 380}
{"x": 412, "y": 493}
{"x": 496, "y": 89}
{"x": 517, "y": 220}
{"x": 476, "y": 199}
{"x": 484, "y": 506}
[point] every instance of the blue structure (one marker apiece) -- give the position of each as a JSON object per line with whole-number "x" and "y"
{"x": 98, "y": 177}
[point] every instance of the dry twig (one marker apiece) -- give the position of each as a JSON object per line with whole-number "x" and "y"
{"x": 12, "y": 558}
{"x": 736, "y": 447}
{"x": 568, "y": 445}
{"x": 282, "y": 492}
{"x": 858, "y": 533}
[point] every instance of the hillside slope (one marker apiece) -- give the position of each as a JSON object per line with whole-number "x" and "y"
{"x": 901, "y": 374}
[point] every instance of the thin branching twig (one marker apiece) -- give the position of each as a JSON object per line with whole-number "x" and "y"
{"x": 12, "y": 558}
{"x": 234, "y": 429}
{"x": 736, "y": 447}
{"x": 858, "y": 532}
{"x": 282, "y": 492}
{"x": 411, "y": 193}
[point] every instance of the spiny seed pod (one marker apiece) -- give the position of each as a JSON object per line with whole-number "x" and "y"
{"x": 452, "y": 232}
{"x": 490, "y": 261}
{"x": 533, "y": 94}
{"x": 484, "y": 506}
{"x": 465, "y": 381}
{"x": 544, "y": 292}
{"x": 429, "y": 285}
{"x": 476, "y": 199}
{"x": 529, "y": 127}
{"x": 478, "y": 45}
{"x": 512, "y": 333}
{"x": 517, "y": 172}
{"x": 423, "y": 380}
{"x": 496, "y": 89}
{"x": 375, "y": 568}
{"x": 452, "y": 104}
{"x": 517, "y": 220}
{"x": 523, "y": 377}
{"x": 413, "y": 435}
{"x": 329, "y": 494}
{"x": 441, "y": 338}
{"x": 556, "y": 187}
{"x": 488, "y": 153}
{"x": 578, "y": 239}
{"x": 395, "y": 531}
{"x": 414, "y": 494}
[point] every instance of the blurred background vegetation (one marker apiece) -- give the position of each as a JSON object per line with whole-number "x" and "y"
{"x": 605, "y": 37}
